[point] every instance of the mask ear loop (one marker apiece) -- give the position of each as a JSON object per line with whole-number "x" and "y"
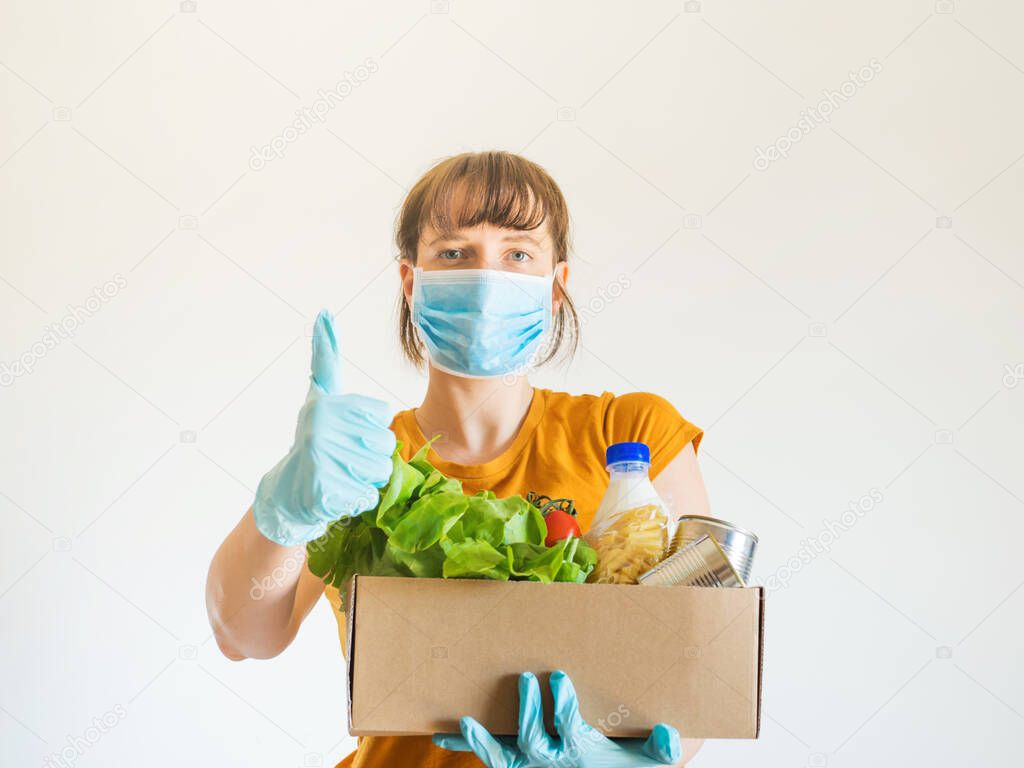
{"x": 416, "y": 272}
{"x": 549, "y": 333}
{"x": 418, "y": 281}
{"x": 549, "y": 321}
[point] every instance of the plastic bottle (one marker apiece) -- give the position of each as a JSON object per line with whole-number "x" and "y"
{"x": 631, "y": 529}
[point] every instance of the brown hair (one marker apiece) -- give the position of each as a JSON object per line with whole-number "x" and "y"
{"x": 499, "y": 188}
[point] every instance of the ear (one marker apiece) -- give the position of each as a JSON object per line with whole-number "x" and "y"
{"x": 405, "y": 268}
{"x": 562, "y": 278}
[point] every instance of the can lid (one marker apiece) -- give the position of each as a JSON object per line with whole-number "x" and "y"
{"x": 714, "y": 522}
{"x": 617, "y": 452}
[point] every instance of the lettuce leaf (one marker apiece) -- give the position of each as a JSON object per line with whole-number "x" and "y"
{"x": 428, "y": 521}
{"x": 424, "y": 526}
{"x": 474, "y": 559}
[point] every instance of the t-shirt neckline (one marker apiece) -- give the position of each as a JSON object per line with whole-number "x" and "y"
{"x": 499, "y": 463}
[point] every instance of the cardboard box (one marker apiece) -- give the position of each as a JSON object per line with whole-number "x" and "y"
{"x": 424, "y": 652}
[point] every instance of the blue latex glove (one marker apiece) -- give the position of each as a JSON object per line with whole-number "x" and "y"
{"x": 341, "y": 455}
{"x": 579, "y": 745}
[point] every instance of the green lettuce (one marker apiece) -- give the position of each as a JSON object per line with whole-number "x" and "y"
{"x": 424, "y": 526}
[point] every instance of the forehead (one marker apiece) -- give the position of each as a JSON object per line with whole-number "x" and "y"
{"x": 479, "y": 208}
{"x": 486, "y": 231}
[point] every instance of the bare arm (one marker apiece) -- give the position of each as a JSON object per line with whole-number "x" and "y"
{"x": 680, "y": 484}
{"x": 258, "y": 589}
{"x": 258, "y": 593}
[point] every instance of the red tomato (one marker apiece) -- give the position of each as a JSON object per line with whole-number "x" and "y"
{"x": 561, "y": 525}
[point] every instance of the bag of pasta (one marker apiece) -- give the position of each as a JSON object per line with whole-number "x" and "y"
{"x": 632, "y": 526}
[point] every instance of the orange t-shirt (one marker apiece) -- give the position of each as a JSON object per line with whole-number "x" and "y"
{"x": 558, "y": 452}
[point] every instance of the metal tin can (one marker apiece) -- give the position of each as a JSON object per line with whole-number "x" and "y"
{"x": 701, "y": 563}
{"x": 739, "y": 544}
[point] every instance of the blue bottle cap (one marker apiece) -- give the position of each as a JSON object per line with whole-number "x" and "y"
{"x": 627, "y": 452}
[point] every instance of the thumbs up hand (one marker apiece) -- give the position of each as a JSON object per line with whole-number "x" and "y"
{"x": 340, "y": 458}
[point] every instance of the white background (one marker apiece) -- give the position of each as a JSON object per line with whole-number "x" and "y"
{"x": 848, "y": 321}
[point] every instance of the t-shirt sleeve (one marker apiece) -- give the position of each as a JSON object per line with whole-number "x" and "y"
{"x": 648, "y": 418}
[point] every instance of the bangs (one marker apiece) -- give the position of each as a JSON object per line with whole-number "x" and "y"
{"x": 491, "y": 190}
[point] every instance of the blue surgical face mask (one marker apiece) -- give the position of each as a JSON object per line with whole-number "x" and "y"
{"x": 481, "y": 322}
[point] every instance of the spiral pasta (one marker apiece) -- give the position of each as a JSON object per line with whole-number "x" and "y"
{"x": 632, "y": 543}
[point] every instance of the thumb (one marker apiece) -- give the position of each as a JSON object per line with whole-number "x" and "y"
{"x": 325, "y": 373}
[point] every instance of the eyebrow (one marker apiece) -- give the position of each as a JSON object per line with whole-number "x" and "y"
{"x": 521, "y": 237}
{"x": 444, "y": 236}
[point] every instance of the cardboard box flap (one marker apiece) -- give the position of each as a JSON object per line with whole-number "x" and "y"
{"x": 760, "y": 661}
{"x": 349, "y": 601}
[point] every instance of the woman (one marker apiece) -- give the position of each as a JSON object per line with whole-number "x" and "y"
{"x": 483, "y": 242}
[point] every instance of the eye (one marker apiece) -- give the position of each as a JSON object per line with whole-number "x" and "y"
{"x": 520, "y": 257}
{"x": 452, "y": 254}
